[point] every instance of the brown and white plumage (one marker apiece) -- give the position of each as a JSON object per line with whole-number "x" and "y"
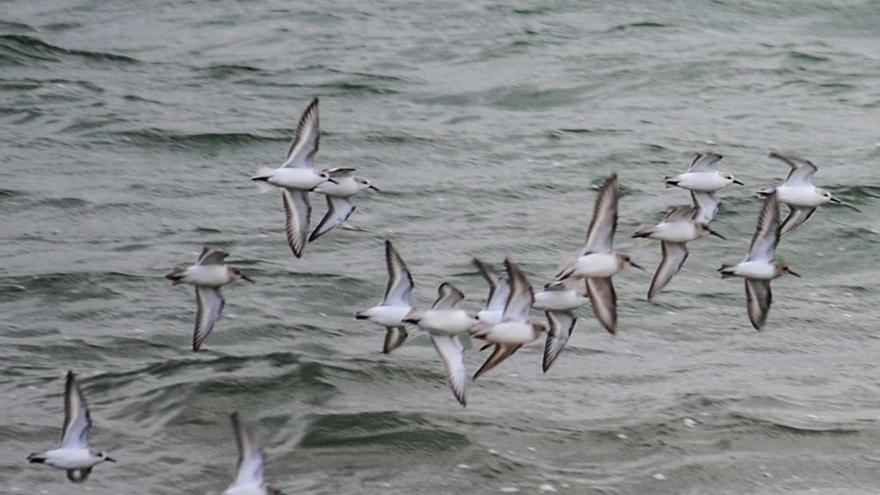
{"x": 561, "y": 326}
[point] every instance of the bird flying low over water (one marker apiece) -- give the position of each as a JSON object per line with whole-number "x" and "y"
{"x": 249, "y": 478}
{"x": 798, "y": 192}
{"x": 598, "y": 261}
{"x": 514, "y": 329}
{"x": 74, "y": 454}
{"x": 760, "y": 265}
{"x": 339, "y": 193}
{"x": 681, "y": 225}
{"x": 499, "y": 289}
{"x": 395, "y": 304}
{"x": 445, "y": 321}
{"x": 703, "y": 175}
{"x": 296, "y": 177}
{"x": 208, "y": 275}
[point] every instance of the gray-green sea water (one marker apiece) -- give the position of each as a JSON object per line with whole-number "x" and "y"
{"x": 128, "y": 131}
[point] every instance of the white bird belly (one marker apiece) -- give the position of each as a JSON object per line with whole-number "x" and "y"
{"x": 674, "y": 232}
{"x": 207, "y": 275}
{"x": 71, "y": 458}
{"x": 763, "y": 270}
{"x": 597, "y": 265}
{"x": 558, "y": 300}
{"x": 511, "y": 332}
{"x": 296, "y": 178}
{"x": 800, "y": 196}
{"x": 447, "y": 321}
{"x": 701, "y": 181}
{"x": 387, "y": 316}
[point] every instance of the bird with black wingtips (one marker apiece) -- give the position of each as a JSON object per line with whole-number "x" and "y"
{"x": 703, "y": 175}
{"x": 395, "y": 304}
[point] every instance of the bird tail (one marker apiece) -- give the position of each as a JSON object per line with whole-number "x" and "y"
{"x": 643, "y": 232}
{"x": 261, "y": 179}
{"x": 176, "y": 275}
{"x": 36, "y": 459}
{"x": 726, "y": 270}
{"x": 670, "y": 181}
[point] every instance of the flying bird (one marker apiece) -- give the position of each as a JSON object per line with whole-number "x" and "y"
{"x": 499, "y": 289}
{"x": 598, "y": 261}
{"x": 703, "y": 175}
{"x": 296, "y": 177}
{"x": 761, "y": 265}
{"x": 74, "y": 454}
{"x": 395, "y": 304}
{"x": 798, "y": 192}
{"x": 339, "y": 193}
{"x": 208, "y": 275}
{"x": 249, "y": 478}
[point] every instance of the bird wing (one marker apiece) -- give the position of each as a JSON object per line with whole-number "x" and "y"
{"x": 561, "y": 327}
{"x": 400, "y": 281}
{"x": 250, "y": 455}
{"x": 209, "y": 304}
{"x": 297, "y": 212}
{"x": 705, "y": 162}
{"x": 447, "y": 296}
{"x": 394, "y": 338}
{"x": 802, "y": 171}
{"x": 796, "y": 216}
{"x": 706, "y": 205}
{"x": 758, "y": 299}
{"x": 302, "y": 149}
{"x": 77, "y": 419}
{"x": 520, "y": 300}
{"x": 499, "y": 289}
{"x": 600, "y": 235}
{"x": 212, "y": 257}
{"x": 500, "y": 352}
{"x": 604, "y": 301}
{"x": 338, "y": 211}
{"x": 674, "y": 254}
{"x": 763, "y": 246}
{"x": 452, "y": 354}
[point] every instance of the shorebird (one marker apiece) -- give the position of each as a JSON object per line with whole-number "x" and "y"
{"x": 761, "y": 266}
{"x": 703, "y": 175}
{"x": 798, "y": 192}
{"x": 208, "y": 275}
{"x": 598, "y": 262}
{"x": 445, "y": 322}
{"x": 514, "y": 330}
{"x": 74, "y": 454}
{"x": 339, "y": 194}
{"x": 681, "y": 225}
{"x": 297, "y": 176}
{"x": 395, "y": 304}
{"x": 249, "y": 472}
{"x": 561, "y": 327}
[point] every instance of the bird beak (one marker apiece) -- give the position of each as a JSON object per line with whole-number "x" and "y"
{"x": 632, "y": 264}
{"x": 331, "y": 179}
{"x": 245, "y": 277}
{"x": 793, "y": 273}
{"x": 835, "y": 200}
{"x": 375, "y": 188}
{"x": 738, "y": 182}
{"x": 716, "y": 234}
{"x": 109, "y": 459}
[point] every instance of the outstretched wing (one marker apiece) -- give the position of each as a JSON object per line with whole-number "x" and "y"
{"x": 212, "y": 257}
{"x": 561, "y": 327}
{"x": 297, "y": 214}
{"x": 706, "y": 206}
{"x": 705, "y": 162}
{"x": 763, "y": 246}
{"x": 600, "y": 235}
{"x": 447, "y": 296}
{"x": 77, "y": 419}
{"x": 452, "y": 354}
{"x": 338, "y": 211}
{"x": 394, "y": 338}
{"x": 400, "y": 282}
{"x": 302, "y": 149}
{"x": 209, "y": 304}
{"x": 521, "y": 298}
{"x": 802, "y": 171}
{"x": 674, "y": 255}
{"x": 499, "y": 289}
{"x": 499, "y": 353}
{"x": 250, "y": 455}
{"x": 604, "y": 301}
{"x": 796, "y": 216}
{"x": 758, "y": 299}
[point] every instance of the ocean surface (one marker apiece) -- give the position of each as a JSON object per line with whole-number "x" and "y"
{"x": 129, "y": 130}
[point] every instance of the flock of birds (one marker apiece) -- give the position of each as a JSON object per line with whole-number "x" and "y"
{"x": 504, "y": 324}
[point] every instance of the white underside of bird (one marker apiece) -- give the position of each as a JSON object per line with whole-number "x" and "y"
{"x": 700, "y": 181}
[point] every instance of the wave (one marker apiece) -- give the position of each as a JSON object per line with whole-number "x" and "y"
{"x": 22, "y": 49}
